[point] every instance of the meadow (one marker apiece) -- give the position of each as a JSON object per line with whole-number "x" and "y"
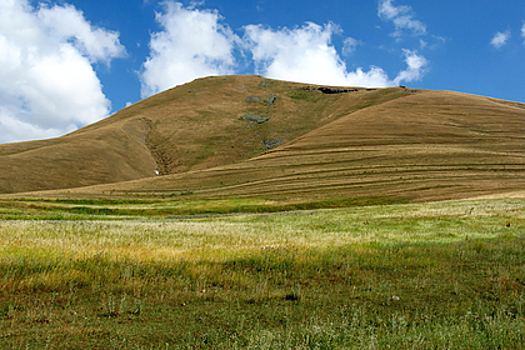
{"x": 442, "y": 275}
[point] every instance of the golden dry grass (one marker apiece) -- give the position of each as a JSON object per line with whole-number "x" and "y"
{"x": 194, "y": 126}
{"x": 395, "y": 142}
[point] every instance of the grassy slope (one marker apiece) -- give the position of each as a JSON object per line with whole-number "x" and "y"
{"x": 395, "y": 142}
{"x": 420, "y": 145}
{"x": 194, "y": 126}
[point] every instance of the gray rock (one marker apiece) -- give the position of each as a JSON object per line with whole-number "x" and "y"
{"x": 270, "y": 100}
{"x": 273, "y": 142}
{"x": 265, "y": 84}
{"x": 253, "y": 99}
{"x": 256, "y": 118}
{"x": 269, "y": 144}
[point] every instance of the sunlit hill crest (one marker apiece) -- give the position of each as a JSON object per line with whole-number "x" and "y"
{"x": 251, "y": 137}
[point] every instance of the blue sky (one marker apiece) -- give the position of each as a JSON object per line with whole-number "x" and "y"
{"x": 65, "y": 64}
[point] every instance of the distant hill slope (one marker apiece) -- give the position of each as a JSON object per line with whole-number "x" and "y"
{"x": 249, "y": 137}
{"x": 210, "y": 122}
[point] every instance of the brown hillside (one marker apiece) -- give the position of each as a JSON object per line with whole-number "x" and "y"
{"x": 395, "y": 142}
{"x": 191, "y": 127}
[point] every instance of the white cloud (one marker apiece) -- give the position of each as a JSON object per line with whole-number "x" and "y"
{"x": 523, "y": 31}
{"x": 47, "y": 82}
{"x": 305, "y": 54}
{"x": 193, "y": 44}
{"x": 16, "y": 129}
{"x": 350, "y": 45}
{"x": 500, "y": 39}
{"x": 97, "y": 44}
{"x": 402, "y": 17}
{"x": 416, "y": 68}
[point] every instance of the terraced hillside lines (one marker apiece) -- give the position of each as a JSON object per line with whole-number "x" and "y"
{"x": 417, "y": 145}
{"x": 197, "y": 126}
{"x": 250, "y": 137}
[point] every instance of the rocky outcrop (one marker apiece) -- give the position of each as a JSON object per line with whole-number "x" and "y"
{"x": 269, "y": 144}
{"x": 256, "y": 118}
{"x": 331, "y": 90}
{"x": 270, "y": 100}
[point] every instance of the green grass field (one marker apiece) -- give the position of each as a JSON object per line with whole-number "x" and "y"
{"x": 111, "y": 209}
{"x": 444, "y": 275}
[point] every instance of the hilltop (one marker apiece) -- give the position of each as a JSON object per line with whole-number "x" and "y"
{"x": 251, "y": 137}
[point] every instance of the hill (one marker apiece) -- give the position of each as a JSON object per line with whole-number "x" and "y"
{"x": 191, "y": 127}
{"x": 250, "y": 137}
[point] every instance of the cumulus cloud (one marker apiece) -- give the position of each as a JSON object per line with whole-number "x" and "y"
{"x": 192, "y": 44}
{"x": 500, "y": 39}
{"x": 66, "y": 22}
{"x": 195, "y": 43}
{"x": 417, "y": 65}
{"x": 402, "y": 17}
{"x": 302, "y": 54}
{"x": 305, "y": 54}
{"x": 47, "y": 82}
